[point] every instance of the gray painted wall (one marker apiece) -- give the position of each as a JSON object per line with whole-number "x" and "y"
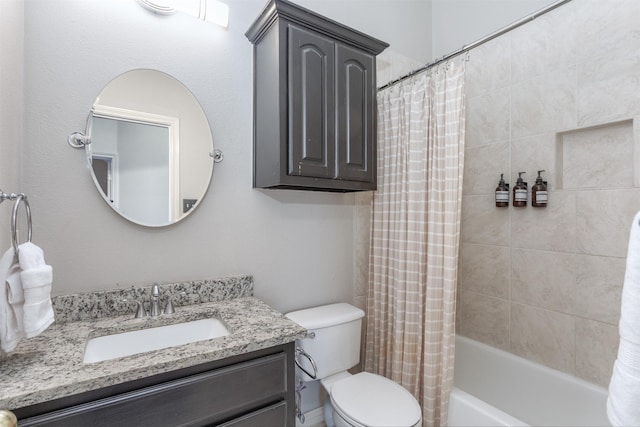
{"x": 11, "y": 51}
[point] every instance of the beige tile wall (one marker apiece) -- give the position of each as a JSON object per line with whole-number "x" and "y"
{"x": 546, "y": 283}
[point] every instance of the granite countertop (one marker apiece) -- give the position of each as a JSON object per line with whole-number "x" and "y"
{"x": 50, "y": 365}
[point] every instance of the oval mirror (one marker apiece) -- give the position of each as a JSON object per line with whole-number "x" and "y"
{"x": 151, "y": 149}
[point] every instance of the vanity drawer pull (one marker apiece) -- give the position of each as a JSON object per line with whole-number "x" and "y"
{"x": 8, "y": 419}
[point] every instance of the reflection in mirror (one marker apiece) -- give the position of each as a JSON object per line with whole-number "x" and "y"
{"x": 151, "y": 148}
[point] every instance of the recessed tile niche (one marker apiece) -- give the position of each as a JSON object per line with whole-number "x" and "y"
{"x": 602, "y": 156}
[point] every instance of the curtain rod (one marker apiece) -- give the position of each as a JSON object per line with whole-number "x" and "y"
{"x": 479, "y": 42}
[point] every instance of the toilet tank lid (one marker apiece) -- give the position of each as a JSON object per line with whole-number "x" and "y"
{"x": 325, "y": 315}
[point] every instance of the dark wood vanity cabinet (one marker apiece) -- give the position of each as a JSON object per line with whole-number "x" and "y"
{"x": 314, "y": 102}
{"x": 255, "y": 389}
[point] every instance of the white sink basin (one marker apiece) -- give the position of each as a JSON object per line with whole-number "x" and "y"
{"x": 134, "y": 342}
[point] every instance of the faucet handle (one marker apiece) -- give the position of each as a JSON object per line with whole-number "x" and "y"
{"x": 168, "y": 309}
{"x": 140, "y": 311}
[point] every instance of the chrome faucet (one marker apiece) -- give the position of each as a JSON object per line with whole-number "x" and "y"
{"x": 154, "y": 303}
{"x": 155, "y": 300}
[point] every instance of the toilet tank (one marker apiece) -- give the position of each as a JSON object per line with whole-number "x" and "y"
{"x": 336, "y": 345}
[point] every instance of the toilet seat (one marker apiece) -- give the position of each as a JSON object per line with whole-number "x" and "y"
{"x": 373, "y": 400}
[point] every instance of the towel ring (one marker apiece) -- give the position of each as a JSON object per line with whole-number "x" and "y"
{"x": 21, "y": 198}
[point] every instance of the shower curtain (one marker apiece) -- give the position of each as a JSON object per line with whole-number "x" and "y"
{"x": 415, "y": 234}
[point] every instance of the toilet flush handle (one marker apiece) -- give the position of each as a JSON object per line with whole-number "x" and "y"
{"x": 301, "y": 352}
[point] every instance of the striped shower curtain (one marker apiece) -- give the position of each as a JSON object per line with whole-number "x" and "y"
{"x": 415, "y": 235}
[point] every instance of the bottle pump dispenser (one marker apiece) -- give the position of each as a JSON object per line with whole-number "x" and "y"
{"x": 502, "y": 193}
{"x": 520, "y": 192}
{"x": 539, "y": 194}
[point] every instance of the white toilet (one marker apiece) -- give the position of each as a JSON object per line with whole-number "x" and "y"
{"x": 361, "y": 400}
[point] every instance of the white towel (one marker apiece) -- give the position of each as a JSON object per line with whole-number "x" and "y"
{"x": 623, "y": 402}
{"x": 36, "y": 279}
{"x": 11, "y": 302}
{"x": 25, "y": 297}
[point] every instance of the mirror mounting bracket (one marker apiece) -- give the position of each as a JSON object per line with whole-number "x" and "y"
{"x": 78, "y": 140}
{"x": 217, "y": 155}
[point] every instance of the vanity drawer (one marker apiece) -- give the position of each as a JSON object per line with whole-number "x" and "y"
{"x": 271, "y": 416}
{"x": 203, "y": 399}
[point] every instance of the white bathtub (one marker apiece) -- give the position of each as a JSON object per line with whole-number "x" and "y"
{"x": 496, "y": 388}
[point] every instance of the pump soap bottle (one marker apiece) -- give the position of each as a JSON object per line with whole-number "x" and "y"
{"x": 520, "y": 192}
{"x": 502, "y": 193}
{"x": 539, "y": 194}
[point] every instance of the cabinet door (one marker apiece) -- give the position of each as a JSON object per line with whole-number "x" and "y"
{"x": 355, "y": 88}
{"x": 311, "y": 140}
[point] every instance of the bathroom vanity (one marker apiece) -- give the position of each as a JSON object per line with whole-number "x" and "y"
{"x": 240, "y": 379}
{"x": 250, "y": 389}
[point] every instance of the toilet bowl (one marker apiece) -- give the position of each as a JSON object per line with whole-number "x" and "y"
{"x": 360, "y": 400}
{"x": 371, "y": 400}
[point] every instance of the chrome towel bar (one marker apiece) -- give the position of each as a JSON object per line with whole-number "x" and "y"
{"x": 18, "y": 199}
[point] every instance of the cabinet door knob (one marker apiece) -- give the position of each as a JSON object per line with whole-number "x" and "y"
{"x": 8, "y": 419}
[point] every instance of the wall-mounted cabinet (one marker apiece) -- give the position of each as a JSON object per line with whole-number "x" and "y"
{"x": 314, "y": 102}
